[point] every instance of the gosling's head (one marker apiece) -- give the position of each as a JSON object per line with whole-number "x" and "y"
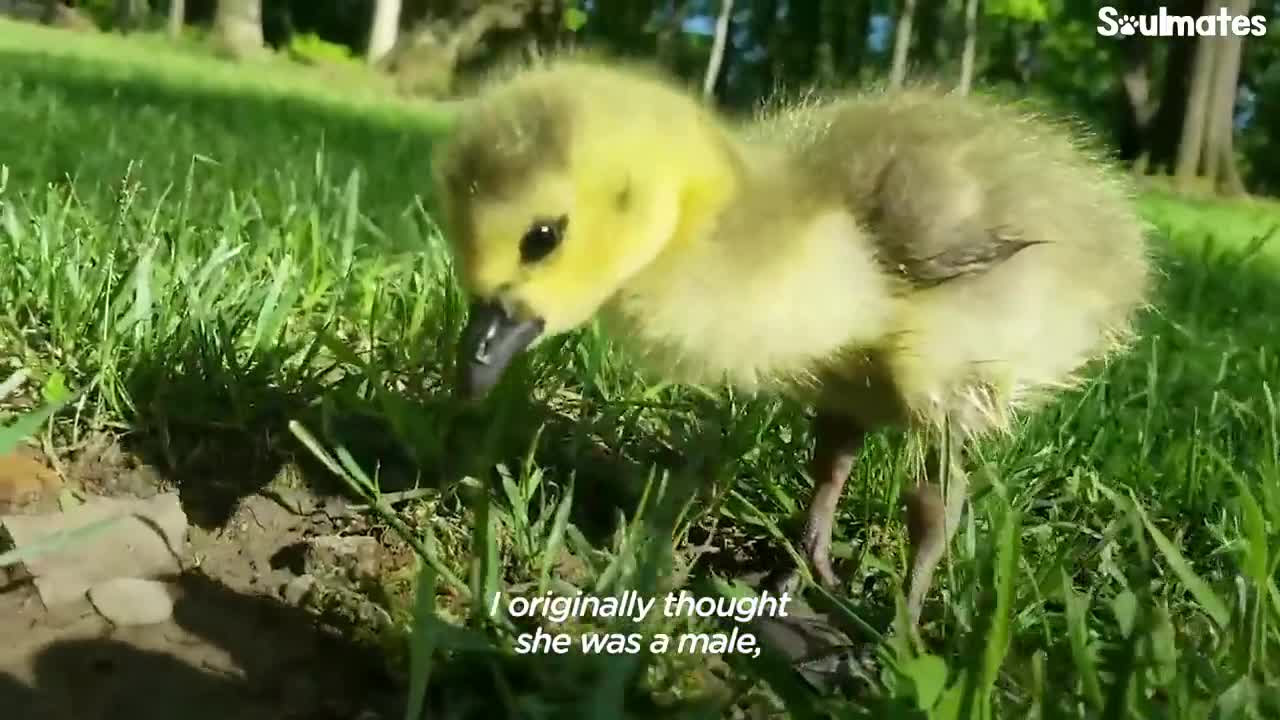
{"x": 558, "y": 186}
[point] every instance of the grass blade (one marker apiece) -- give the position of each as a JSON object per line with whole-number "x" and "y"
{"x": 422, "y": 643}
{"x": 1209, "y": 601}
{"x": 555, "y": 539}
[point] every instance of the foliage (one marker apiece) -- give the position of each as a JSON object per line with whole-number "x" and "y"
{"x": 309, "y": 47}
{"x": 1046, "y": 48}
{"x": 1024, "y": 10}
{"x": 103, "y": 12}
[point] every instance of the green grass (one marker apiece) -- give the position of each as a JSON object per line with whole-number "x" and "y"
{"x": 210, "y": 255}
{"x": 190, "y": 63}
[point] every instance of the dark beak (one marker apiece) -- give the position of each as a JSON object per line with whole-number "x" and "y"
{"x": 489, "y": 343}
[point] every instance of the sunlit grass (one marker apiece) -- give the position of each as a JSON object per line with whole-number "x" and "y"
{"x": 191, "y": 63}
{"x": 209, "y": 262}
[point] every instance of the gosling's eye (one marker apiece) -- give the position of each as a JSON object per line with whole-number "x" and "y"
{"x": 542, "y": 238}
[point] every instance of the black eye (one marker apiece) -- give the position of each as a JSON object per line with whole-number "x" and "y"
{"x": 541, "y": 239}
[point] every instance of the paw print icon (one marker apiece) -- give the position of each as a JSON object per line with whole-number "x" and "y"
{"x": 1128, "y": 25}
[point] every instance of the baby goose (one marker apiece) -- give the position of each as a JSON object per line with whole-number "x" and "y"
{"x": 918, "y": 259}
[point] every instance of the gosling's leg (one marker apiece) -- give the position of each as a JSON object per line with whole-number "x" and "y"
{"x": 934, "y": 509}
{"x": 837, "y": 440}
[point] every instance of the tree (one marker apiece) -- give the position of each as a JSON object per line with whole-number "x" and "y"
{"x": 622, "y": 24}
{"x": 426, "y": 59}
{"x": 1016, "y": 47}
{"x": 1154, "y": 146}
{"x": 130, "y": 14}
{"x": 901, "y": 44}
{"x": 1138, "y": 102}
{"x": 764, "y": 29}
{"x": 927, "y": 20}
{"x": 1192, "y": 138}
{"x": 49, "y": 12}
{"x": 1207, "y": 147}
{"x": 969, "y": 56}
{"x": 1219, "y": 149}
{"x": 718, "y": 45}
{"x": 857, "y": 30}
{"x": 238, "y": 26}
{"x": 177, "y": 17}
{"x": 832, "y": 30}
{"x": 803, "y": 34}
{"x": 668, "y": 34}
{"x": 384, "y": 29}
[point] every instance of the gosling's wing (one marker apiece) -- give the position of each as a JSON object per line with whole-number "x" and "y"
{"x": 930, "y": 220}
{"x": 938, "y": 180}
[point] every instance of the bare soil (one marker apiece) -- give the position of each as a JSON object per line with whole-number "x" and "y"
{"x": 272, "y": 616}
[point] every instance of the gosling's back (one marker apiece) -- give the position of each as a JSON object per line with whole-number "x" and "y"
{"x": 939, "y": 183}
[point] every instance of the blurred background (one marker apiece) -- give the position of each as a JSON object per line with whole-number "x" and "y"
{"x": 1157, "y": 100}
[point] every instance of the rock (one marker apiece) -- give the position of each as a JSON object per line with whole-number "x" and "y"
{"x": 296, "y": 590}
{"x": 359, "y": 556}
{"x": 24, "y": 478}
{"x": 143, "y": 539}
{"x": 131, "y": 601}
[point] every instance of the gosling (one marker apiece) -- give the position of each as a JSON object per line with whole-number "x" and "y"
{"x": 917, "y": 260}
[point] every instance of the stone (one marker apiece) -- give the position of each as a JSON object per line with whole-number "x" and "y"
{"x": 143, "y": 539}
{"x": 132, "y": 601}
{"x": 359, "y": 556}
{"x": 296, "y": 590}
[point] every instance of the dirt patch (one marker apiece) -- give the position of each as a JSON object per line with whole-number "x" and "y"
{"x": 272, "y": 616}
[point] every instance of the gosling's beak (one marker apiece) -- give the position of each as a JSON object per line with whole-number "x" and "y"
{"x": 490, "y": 341}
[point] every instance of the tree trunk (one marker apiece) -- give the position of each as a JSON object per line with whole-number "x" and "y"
{"x": 1220, "y": 158}
{"x": 1193, "y": 125}
{"x": 717, "y": 50}
{"x": 238, "y": 26}
{"x": 129, "y": 14}
{"x": 384, "y": 30}
{"x": 901, "y": 44}
{"x": 1161, "y": 142}
{"x": 177, "y": 17}
{"x": 1028, "y": 60}
{"x": 970, "y": 54}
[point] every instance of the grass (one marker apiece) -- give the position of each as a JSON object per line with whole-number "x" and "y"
{"x": 208, "y": 257}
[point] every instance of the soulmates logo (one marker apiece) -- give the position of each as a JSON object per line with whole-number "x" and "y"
{"x": 1165, "y": 25}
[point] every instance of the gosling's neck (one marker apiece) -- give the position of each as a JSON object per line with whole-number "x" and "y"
{"x": 762, "y": 281}
{"x": 743, "y": 208}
